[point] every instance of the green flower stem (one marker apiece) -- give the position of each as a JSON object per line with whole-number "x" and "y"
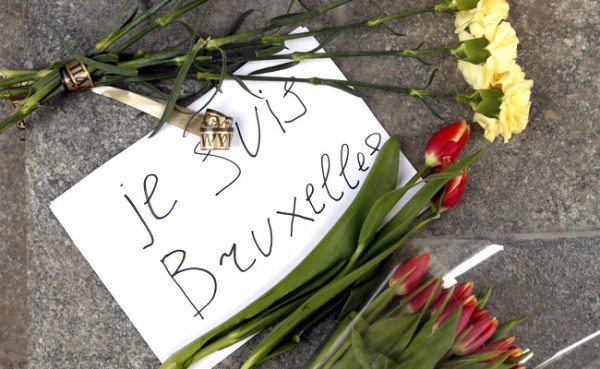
{"x": 45, "y": 86}
{"x": 218, "y": 43}
{"x": 18, "y": 73}
{"x": 177, "y": 12}
{"x": 107, "y": 41}
{"x": 380, "y": 179}
{"x": 362, "y": 245}
{"x": 161, "y": 21}
{"x": 325, "y": 295}
{"x": 135, "y": 38}
{"x": 15, "y": 93}
{"x": 313, "y": 80}
{"x": 289, "y": 19}
{"x": 468, "y": 99}
{"x": 248, "y": 329}
{"x": 372, "y": 22}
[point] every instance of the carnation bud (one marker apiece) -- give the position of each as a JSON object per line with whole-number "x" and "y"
{"x": 473, "y": 51}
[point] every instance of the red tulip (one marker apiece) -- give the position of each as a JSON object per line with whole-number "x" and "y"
{"x": 475, "y": 336}
{"x": 515, "y": 353}
{"x": 417, "y": 302}
{"x": 410, "y": 273}
{"x": 468, "y": 306}
{"x": 454, "y": 190}
{"x": 463, "y": 290}
{"x": 446, "y": 142}
{"x": 478, "y": 315}
{"x": 502, "y": 346}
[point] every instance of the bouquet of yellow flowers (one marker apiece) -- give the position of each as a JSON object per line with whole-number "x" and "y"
{"x": 486, "y": 51}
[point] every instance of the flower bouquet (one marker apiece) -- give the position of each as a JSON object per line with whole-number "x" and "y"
{"x": 410, "y": 324}
{"x": 341, "y": 271}
{"x": 486, "y": 51}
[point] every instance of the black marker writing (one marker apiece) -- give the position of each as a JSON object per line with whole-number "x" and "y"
{"x": 310, "y": 191}
{"x": 375, "y": 147}
{"x": 210, "y": 154}
{"x": 137, "y": 212}
{"x": 325, "y": 170}
{"x": 201, "y": 277}
{"x": 361, "y": 160}
{"x": 344, "y": 155}
{"x": 253, "y": 155}
{"x": 274, "y": 115}
{"x": 265, "y": 254}
{"x": 149, "y": 197}
{"x": 233, "y": 254}
{"x": 293, "y": 216}
{"x": 288, "y": 90}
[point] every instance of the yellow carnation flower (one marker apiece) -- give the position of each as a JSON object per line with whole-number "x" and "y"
{"x": 473, "y": 23}
{"x": 503, "y": 53}
{"x": 514, "y": 109}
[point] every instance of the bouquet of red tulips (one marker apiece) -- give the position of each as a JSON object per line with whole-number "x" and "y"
{"x": 341, "y": 271}
{"x": 410, "y": 325}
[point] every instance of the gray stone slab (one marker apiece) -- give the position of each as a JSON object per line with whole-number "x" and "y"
{"x": 13, "y": 188}
{"x": 538, "y": 194}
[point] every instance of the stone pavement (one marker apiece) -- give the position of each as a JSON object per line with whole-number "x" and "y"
{"x": 538, "y": 195}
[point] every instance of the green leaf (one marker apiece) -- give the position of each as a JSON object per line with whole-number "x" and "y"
{"x": 244, "y": 87}
{"x": 270, "y": 50}
{"x": 181, "y": 76}
{"x": 378, "y": 212}
{"x": 461, "y": 362}
{"x": 428, "y": 346}
{"x": 504, "y": 330}
{"x": 357, "y": 349}
{"x": 383, "y": 335}
{"x": 335, "y": 247}
{"x": 400, "y": 222}
{"x": 275, "y": 68}
{"x": 93, "y": 63}
{"x": 235, "y": 25}
{"x": 358, "y": 295}
{"x": 483, "y": 299}
{"x": 295, "y": 18}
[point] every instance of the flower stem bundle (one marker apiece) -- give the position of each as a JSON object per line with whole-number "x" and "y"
{"x": 113, "y": 60}
{"x": 409, "y": 324}
{"x": 341, "y": 270}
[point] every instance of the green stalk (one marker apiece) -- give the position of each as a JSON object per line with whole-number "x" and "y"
{"x": 42, "y": 88}
{"x": 181, "y": 76}
{"x": 248, "y": 329}
{"x": 324, "y": 296}
{"x": 313, "y": 81}
{"x": 342, "y": 237}
{"x": 18, "y": 73}
{"x": 161, "y": 21}
{"x": 275, "y": 23}
{"x": 107, "y": 41}
{"x": 372, "y": 22}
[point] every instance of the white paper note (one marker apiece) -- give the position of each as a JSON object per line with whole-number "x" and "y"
{"x": 184, "y": 238}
